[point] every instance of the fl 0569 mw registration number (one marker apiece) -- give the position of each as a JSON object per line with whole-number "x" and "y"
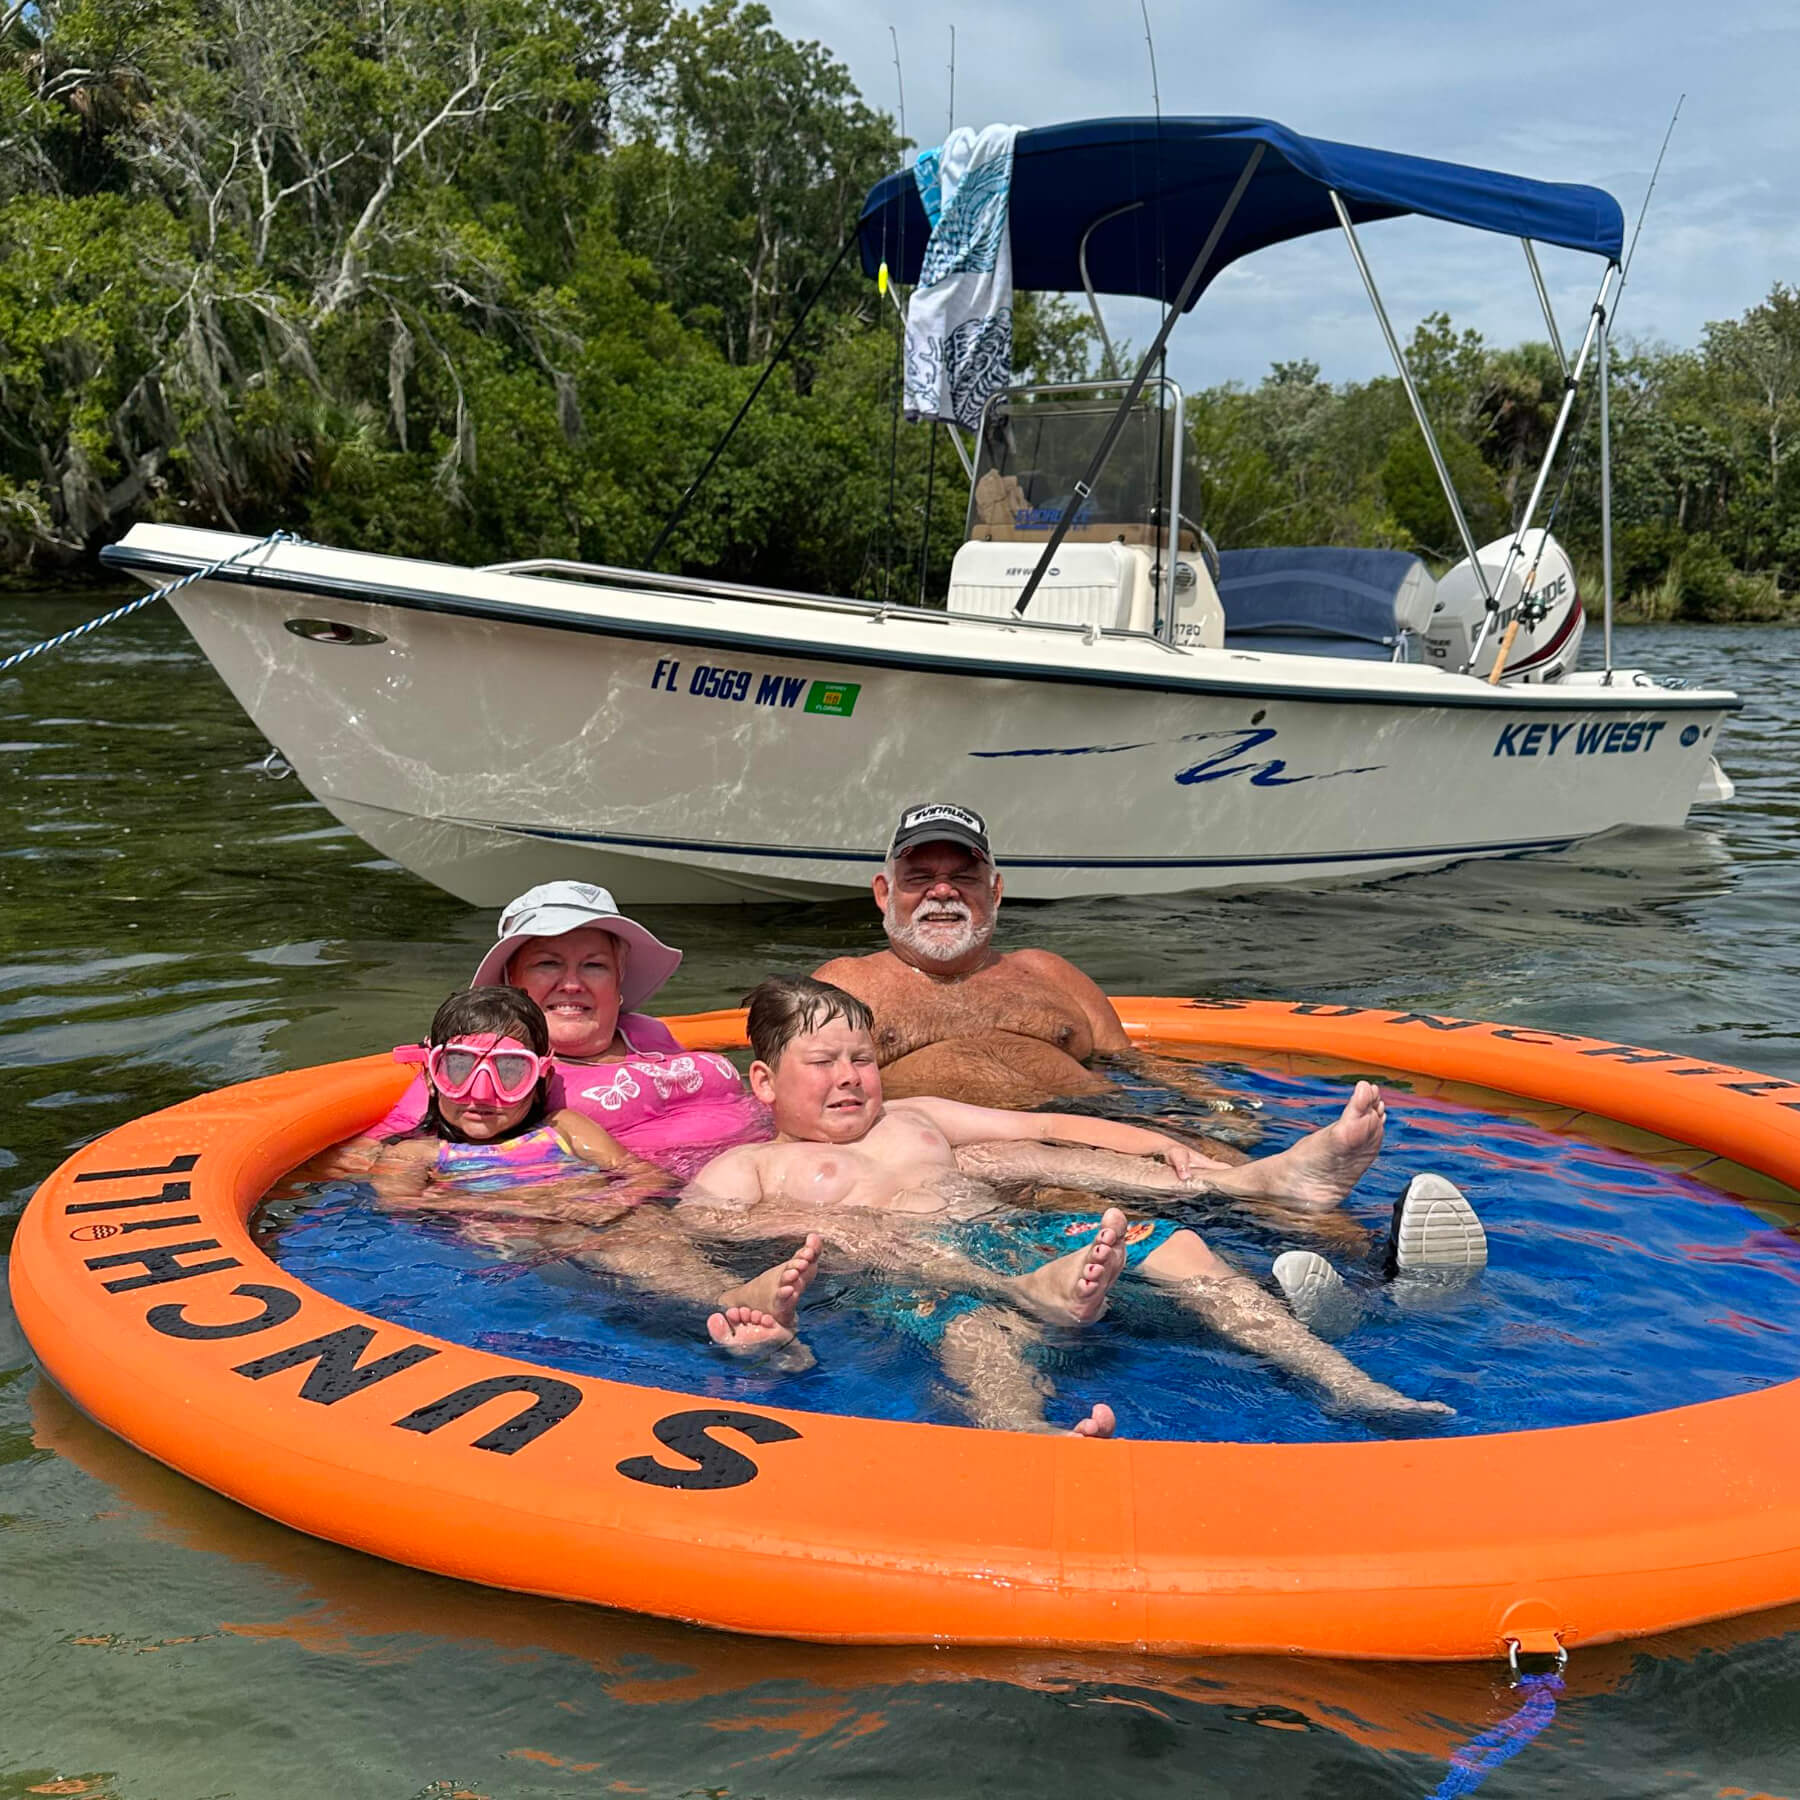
{"x": 785, "y": 693}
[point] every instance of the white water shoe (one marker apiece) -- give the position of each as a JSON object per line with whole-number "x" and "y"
{"x": 1435, "y": 1228}
{"x": 1316, "y": 1293}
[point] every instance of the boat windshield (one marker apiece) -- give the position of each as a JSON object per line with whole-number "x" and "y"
{"x": 1037, "y": 443}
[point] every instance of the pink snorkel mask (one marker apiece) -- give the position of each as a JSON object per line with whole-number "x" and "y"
{"x": 488, "y": 1071}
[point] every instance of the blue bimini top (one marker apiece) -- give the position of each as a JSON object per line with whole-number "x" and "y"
{"x": 1146, "y": 192}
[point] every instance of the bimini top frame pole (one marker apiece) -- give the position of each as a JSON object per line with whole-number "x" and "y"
{"x": 1085, "y": 486}
{"x": 1543, "y": 294}
{"x": 1413, "y": 398}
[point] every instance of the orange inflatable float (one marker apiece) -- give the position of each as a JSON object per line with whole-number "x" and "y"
{"x": 135, "y": 1277}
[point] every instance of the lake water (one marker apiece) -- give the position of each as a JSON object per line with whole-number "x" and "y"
{"x": 171, "y": 919}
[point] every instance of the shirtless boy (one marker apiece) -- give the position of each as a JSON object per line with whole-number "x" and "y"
{"x": 845, "y": 1165}
{"x": 957, "y": 1017}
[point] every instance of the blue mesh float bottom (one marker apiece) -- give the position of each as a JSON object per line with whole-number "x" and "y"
{"x": 1614, "y": 1288}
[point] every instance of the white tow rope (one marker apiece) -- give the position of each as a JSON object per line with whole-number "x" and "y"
{"x": 143, "y": 600}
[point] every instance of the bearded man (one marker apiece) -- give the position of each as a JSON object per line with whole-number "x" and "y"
{"x": 957, "y": 1018}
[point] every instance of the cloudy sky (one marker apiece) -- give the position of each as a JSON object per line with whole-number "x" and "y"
{"x": 1547, "y": 88}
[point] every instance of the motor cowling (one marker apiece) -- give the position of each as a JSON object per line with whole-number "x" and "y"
{"x": 1540, "y": 593}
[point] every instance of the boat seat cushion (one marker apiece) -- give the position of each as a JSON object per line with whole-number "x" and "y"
{"x": 1367, "y": 595}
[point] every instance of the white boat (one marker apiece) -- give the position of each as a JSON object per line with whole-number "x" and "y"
{"x": 1130, "y": 721}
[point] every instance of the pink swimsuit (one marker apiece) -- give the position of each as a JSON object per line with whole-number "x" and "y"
{"x": 676, "y": 1108}
{"x": 678, "y": 1111}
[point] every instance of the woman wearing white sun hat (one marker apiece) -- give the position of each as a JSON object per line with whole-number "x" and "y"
{"x": 567, "y": 945}
{"x": 588, "y": 966}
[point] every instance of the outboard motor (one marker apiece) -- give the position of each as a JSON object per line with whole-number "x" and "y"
{"x": 1547, "y": 644}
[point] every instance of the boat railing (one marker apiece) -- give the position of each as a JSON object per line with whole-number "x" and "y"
{"x": 697, "y": 588}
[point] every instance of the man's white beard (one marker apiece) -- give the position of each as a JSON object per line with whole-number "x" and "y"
{"x": 934, "y": 945}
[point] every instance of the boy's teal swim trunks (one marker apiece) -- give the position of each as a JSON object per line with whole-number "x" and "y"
{"x": 1010, "y": 1246}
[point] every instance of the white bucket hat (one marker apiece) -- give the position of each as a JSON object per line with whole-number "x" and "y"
{"x": 559, "y": 906}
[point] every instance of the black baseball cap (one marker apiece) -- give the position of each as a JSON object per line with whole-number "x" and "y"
{"x": 941, "y": 822}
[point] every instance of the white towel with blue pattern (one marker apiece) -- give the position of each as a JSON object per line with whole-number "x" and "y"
{"x": 959, "y": 321}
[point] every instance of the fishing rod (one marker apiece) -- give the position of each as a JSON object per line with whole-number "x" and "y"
{"x": 887, "y": 536}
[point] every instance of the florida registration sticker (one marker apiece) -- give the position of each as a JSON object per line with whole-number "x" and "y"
{"x": 835, "y": 697}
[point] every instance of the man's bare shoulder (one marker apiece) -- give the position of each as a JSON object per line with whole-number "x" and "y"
{"x": 860, "y": 975}
{"x": 1046, "y": 964}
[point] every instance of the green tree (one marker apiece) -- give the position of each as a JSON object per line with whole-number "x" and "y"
{"x": 750, "y": 157}
{"x": 487, "y": 278}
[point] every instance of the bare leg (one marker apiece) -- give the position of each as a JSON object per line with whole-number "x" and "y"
{"x": 1314, "y": 1175}
{"x": 1235, "y": 1307}
{"x": 1220, "y": 1150}
{"x": 649, "y": 1249}
{"x": 1055, "y": 1177}
{"x": 982, "y": 1355}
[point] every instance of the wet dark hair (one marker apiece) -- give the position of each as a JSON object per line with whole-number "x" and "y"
{"x": 490, "y": 1012}
{"x": 786, "y": 1006}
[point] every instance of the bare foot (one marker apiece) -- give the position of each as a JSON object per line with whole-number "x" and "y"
{"x": 747, "y": 1331}
{"x": 1320, "y": 1170}
{"x": 777, "y": 1291}
{"x": 1099, "y": 1423}
{"x": 1073, "y": 1289}
{"x": 1379, "y": 1401}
